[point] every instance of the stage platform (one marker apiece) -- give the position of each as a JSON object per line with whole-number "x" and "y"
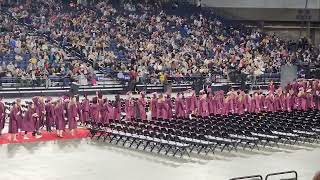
{"x": 84, "y": 159}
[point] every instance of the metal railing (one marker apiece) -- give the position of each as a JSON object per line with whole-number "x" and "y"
{"x": 259, "y": 177}
{"x": 281, "y": 173}
{"x": 254, "y": 177}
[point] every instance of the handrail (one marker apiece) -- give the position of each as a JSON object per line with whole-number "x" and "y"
{"x": 247, "y": 177}
{"x": 280, "y": 173}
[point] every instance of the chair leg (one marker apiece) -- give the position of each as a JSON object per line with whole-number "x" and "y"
{"x": 100, "y": 135}
{"x": 161, "y": 146}
{"x": 200, "y": 149}
{"x": 145, "y": 146}
{"x": 168, "y": 150}
{"x": 138, "y": 145}
{"x": 133, "y": 141}
{"x": 152, "y": 148}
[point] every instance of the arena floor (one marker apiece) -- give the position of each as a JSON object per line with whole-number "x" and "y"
{"x": 86, "y": 159}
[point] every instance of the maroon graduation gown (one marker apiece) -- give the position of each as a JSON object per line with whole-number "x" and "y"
{"x": 15, "y": 117}
{"x": 153, "y": 107}
{"x": 2, "y": 115}
{"x": 142, "y": 108}
{"x": 95, "y": 113}
{"x": 59, "y": 117}
{"x": 72, "y": 114}
{"x": 85, "y": 110}
{"x": 49, "y": 115}
{"x": 29, "y": 121}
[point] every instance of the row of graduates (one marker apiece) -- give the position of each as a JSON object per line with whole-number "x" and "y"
{"x": 35, "y": 115}
{"x": 210, "y": 104}
{"x": 57, "y": 114}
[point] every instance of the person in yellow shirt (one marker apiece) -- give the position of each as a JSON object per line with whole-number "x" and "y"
{"x": 33, "y": 60}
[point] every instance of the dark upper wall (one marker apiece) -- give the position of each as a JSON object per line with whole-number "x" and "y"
{"x": 280, "y": 4}
{"x": 269, "y": 14}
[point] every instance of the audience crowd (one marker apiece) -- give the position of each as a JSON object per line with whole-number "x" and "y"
{"x": 142, "y": 39}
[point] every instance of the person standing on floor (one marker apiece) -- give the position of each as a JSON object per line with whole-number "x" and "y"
{"x": 95, "y": 111}
{"x": 161, "y": 108}
{"x": 270, "y": 103}
{"x": 29, "y": 120}
{"x": 42, "y": 111}
{"x": 15, "y": 117}
{"x": 169, "y": 106}
{"x": 129, "y": 107}
{"x": 271, "y": 87}
{"x": 85, "y": 108}
{"x": 203, "y": 105}
{"x": 72, "y": 115}
{"x": 110, "y": 114}
{"x": 37, "y": 124}
{"x": 179, "y": 106}
{"x": 59, "y": 117}
{"x": 117, "y": 108}
{"x": 153, "y": 106}
{"x": 142, "y": 106}
{"x": 49, "y": 115}
{"x": 78, "y": 103}
{"x": 302, "y": 98}
{"x": 2, "y": 115}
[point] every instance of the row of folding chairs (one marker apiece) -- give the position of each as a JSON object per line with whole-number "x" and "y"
{"x": 206, "y": 134}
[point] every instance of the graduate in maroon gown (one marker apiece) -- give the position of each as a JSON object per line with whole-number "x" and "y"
{"x": 161, "y": 108}
{"x": 269, "y": 103}
{"x": 42, "y": 111}
{"x": 142, "y": 106}
{"x": 188, "y": 102}
{"x": 240, "y": 103}
{"x": 302, "y": 98}
{"x": 257, "y": 102}
{"x": 226, "y": 106}
{"x": 129, "y": 107}
{"x": 85, "y": 108}
{"x": 29, "y": 120}
{"x": 211, "y": 104}
{"x": 169, "y": 106}
{"x": 107, "y": 113}
{"x": 95, "y": 111}
{"x": 220, "y": 102}
{"x": 39, "y": 109}
{"x": 110, "y": 110}
{"x": 2, "y": 115}
{"x": 309, "y": 98}
{"x": 117, "y": 108}
{"x": 290, "y": 100}
{"x": 153, "y": 106}
{"x": 203, "y": 105}
{"x": 14, "y": 120}
{"x": 49, "y": 108}
{"x": 79, "y": 107}
{"x": 247, "y": 101}
{"x": 232, "y": 100}
{"x": 179, "y": 106}
{"x": 104, "y": 111}
{"x": 72, "y": 116}
{"x": 316, "y": 98}
{"x": 59, "y": 117}
{"x": 271, "y": 87}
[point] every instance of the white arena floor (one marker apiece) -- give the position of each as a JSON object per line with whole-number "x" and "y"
{"x": 93, "y": 160}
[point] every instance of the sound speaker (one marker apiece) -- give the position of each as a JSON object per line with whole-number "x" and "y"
{"x": 167, "y": 87}
{"x": 198, "y": 85}
{"x": 74, "y": 88}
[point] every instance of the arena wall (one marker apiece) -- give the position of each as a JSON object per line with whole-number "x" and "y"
{"x": 277, "y": 4}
